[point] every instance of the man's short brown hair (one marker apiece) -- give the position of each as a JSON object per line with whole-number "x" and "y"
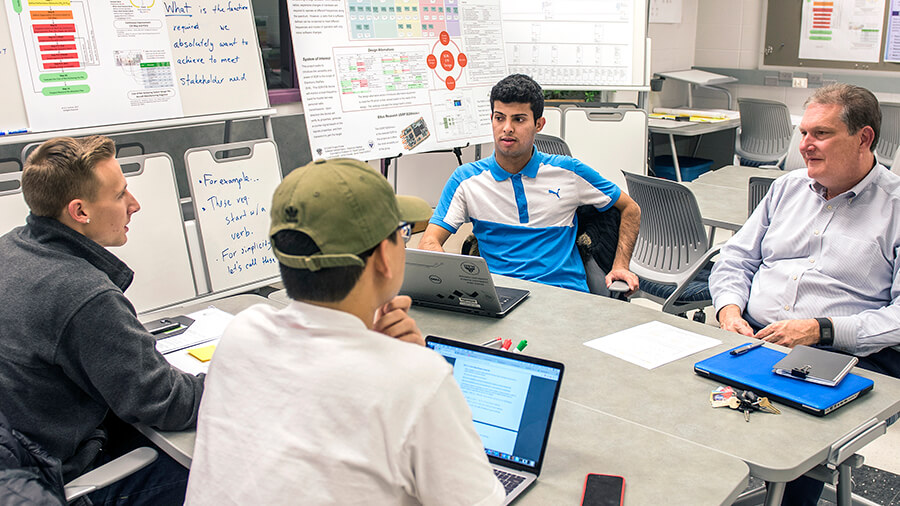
{"x": 859, "y": 107}
{"x": 62, "y": 169}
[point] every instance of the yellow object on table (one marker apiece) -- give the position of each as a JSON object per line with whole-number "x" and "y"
{"x": 204, "y": 353}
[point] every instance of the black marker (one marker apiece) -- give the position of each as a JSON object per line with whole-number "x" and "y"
{"x": 745, "y": 349}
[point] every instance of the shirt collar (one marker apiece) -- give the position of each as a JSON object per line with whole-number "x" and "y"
{"x": 313, "y": 316}
{"x": 530, "y": 169}
{"x": 856, "y": 189}
{"x": 50, "y": 230}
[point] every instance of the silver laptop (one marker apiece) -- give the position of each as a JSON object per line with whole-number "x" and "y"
{"x": 456, "y": 282}
{"x": 512, "y": 397}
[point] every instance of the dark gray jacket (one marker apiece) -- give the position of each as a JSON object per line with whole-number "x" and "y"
{"x": 71, "y": 348}
{"x": 28, "y": 474}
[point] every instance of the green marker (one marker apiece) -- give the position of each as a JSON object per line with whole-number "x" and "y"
{"x": 521, "y": 346}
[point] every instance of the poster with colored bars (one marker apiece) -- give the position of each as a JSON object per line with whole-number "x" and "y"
{"x": 841, "y": 30}
{"x": 85, "y": 63}
{"x": 71, "y": 75}
{"x": 381, "y": 78}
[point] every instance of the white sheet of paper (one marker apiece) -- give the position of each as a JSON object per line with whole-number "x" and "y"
{"x": 652, "y": 344}
{"x": 208, "y": 326}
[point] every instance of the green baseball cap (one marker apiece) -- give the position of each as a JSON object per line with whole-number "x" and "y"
{"x": 344, "y": 206}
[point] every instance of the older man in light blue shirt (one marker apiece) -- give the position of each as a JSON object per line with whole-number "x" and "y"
{"x": 817, "y": 261}
{"x": 823, "y": 243}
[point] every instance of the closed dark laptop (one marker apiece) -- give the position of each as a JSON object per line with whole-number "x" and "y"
{"x": 456, "y": 282}
{"x": 512, "y": 397}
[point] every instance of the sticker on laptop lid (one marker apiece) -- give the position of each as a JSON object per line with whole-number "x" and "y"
{"x": 469, "y": 302}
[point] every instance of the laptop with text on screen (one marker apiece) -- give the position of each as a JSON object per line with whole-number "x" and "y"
{"x": 456, "y": 282}
{"x": 512, "y": 397}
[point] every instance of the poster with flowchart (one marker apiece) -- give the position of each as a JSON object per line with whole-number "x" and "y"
{"x": 381, "y": 78}
{"x": 82, "y": 63}
{"x": 842, "y": 31}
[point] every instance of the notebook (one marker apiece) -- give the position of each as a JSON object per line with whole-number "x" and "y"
{"x": 753, "y": 370}
{"x": 456, "y": 282}
{"x": 815, "y": 365}
{"x": 512, "y": 397}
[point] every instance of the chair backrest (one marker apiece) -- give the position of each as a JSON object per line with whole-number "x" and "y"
{"x": 554, "y": 122}
{"x": 895, "y": 166}
{"x": 757, "y": 189}
{"x": 551, "y": 144}
{"x": 794, "y": 160}
{"x": 889, "y": 138}
{"x": 672, "y": 236}
{"x": 765, "y": 130}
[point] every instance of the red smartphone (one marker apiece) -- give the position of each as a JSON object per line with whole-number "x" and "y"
{"x": 603, "y": 490}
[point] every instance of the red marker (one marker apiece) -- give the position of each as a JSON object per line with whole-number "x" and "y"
{"x": 506, "y": 344}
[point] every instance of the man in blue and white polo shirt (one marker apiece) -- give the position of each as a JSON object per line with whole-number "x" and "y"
{"x": 522, "y": 202}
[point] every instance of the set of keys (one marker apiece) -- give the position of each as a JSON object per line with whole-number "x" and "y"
{"x": 745, "y": 401}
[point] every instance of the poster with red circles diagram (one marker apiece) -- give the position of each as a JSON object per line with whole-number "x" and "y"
{"x": 381, "y": 78}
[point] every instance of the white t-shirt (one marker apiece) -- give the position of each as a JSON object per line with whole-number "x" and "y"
{"x": 304, "y": 405}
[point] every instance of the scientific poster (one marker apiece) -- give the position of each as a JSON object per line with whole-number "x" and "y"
{"x": 892, "y": 37}
{"x": 841, "y": 30}
{"x": 380, "y": 78}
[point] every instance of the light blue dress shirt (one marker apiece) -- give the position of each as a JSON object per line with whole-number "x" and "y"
{"x": 800, "y": 256}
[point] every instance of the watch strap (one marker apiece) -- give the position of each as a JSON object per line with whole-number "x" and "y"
{"x": 826, "y": 331}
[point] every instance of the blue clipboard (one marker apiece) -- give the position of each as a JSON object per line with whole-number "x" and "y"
{"x": 753, "y": 370}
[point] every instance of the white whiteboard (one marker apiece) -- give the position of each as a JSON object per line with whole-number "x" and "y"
{"x": 156, "y": 249}
{"x": 13, "y": 209}
{"x": 608, "y": 140}
{"x": 577, "y": 44}
{"x": 231, "y": 206}
{"x": 80, "y": 63}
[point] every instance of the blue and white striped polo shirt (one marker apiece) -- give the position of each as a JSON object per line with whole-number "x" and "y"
{"x": 525, "y": 222}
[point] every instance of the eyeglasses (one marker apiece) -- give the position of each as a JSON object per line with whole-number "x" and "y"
{"x": 405, "y": 231}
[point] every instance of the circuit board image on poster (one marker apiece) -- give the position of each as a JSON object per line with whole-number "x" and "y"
{"x": 414, "y": 134}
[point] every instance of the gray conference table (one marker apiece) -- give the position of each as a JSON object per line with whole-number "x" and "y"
{"x": 657, "y": 467}
{"x": 671, "y": 398}
{"x": 722, "y": 194}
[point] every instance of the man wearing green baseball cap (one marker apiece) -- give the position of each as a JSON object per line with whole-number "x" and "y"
{"x": 322, "y": 402}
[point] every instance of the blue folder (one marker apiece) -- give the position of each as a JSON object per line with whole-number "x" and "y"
{"x": 753, "y": 370}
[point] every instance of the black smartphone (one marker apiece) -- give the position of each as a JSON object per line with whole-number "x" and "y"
{"x": 167, "y": 325}
{"x": 603, "y": 490}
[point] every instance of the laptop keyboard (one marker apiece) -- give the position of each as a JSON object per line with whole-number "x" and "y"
{"x": 510, "y": 481}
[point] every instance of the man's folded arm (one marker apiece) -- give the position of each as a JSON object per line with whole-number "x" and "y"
{"x": 114, "y": 359}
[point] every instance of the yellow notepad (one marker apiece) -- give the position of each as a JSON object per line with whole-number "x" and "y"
{"x": 204, "y": 353}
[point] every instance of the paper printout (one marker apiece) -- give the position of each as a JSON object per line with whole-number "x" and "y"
{"x": 380, "y": 78}
{"x": 892, "y": 36}
{"x": 841, "y": 30}
{"x": 652, "y": 344}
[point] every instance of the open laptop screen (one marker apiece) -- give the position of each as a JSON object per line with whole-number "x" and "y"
{"x": 512, "y": 398}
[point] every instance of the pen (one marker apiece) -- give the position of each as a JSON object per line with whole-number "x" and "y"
{"x": 745, "y": 349}
{"x": 521, "y": 346}
{"x": 492, "y": 342}
{"x": 506, "y": 344}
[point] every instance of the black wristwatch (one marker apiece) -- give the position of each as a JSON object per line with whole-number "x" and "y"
{"x": 826, "y": 332}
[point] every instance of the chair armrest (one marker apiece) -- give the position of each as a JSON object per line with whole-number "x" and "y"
{"x": 698, "y": 266}
{"x": 618, "y": 286}
{"x": 110, "y": 472}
